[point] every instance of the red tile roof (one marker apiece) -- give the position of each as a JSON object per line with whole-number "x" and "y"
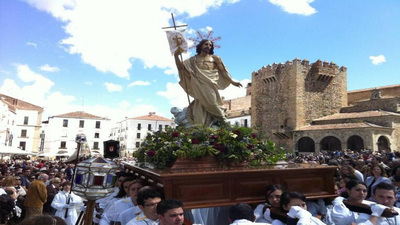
{"x": 379, "y": 88}
{"x": 80, "y": 115}
{"x": 151, "y": 116}
{"x": 366, "y": 114}
{"x": 341, "y": 126}
{"x": 14, "y": 104}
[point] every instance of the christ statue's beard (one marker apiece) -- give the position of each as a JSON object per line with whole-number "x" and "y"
{"x": 206, "y": 50}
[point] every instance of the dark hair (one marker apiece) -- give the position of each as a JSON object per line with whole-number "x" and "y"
{"x": 146, "y": 194}
{"x": 66, "y": 183}
{"x": 121, "y": 192}
{"x": 43, "y": 219}
{"x": 354, "y": 182}
{"x": 385, "y": 186}
{"x": 198, "y": 47}
{"x": 271, "y": 188}
{"x": 241, "y": 211}
{"x": 288, "y": 196}
{"x": 394, "y": 170}
{"x": 168, "y": 204}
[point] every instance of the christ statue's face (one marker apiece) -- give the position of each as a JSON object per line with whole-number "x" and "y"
{"x": 206, "y": 47}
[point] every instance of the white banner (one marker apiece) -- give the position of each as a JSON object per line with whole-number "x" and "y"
{"x": 177, "y": 39}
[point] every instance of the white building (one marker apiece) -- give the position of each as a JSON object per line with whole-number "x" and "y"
{"x": 20, "y": 124}
{"x": 132, "y": 131}
{"x": 240, "y": 118}
{"x": 61, "y": 131}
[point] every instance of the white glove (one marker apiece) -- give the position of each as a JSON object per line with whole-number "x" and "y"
{"x": 377, "y": 209}
{"x": 267, "y": 214}
{"x": 298, "y": 212}
{"x": 338, "y": 201}
{"x": 69, "y": 206}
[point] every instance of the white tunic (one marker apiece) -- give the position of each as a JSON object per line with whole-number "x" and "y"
{"x": 141, "y": 219}
{"x": 115, "y": 209}
{"x": 60, "y": 204}
{"x": 128, "y": 215}
{"x": 244, "y": 222}
{"x": 262, "y": 217}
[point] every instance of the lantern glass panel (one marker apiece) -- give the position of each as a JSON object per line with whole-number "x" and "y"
{"x": 79, "y": 178}
{"x": 111, "y": 179}
{"x": 98, "y": 180}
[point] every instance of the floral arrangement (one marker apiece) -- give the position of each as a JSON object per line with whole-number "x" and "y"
{"x": 230, "y": 145}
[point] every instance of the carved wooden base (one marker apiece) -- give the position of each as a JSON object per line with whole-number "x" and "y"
{"x": 210, "y": 187}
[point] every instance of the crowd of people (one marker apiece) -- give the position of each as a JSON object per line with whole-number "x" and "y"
{"x": 34, "y": 191}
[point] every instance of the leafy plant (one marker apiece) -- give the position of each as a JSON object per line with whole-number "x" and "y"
{"x": 230, "y": 145}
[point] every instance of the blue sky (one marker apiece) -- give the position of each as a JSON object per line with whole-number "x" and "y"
{"x": 111, "y": 58}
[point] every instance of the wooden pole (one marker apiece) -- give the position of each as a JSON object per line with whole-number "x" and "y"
{"x": 89, "y": 212}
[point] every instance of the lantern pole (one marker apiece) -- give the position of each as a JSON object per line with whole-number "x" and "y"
{"x": 79, "y": 140}
{"x": 89, "y": 212}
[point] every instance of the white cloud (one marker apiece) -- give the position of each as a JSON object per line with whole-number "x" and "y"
{"x": 36, "y": 89}
{"x": 32, "y": 44}
{"x": 113, "y": 87}
{"x": 301, "y": 7}
{"x": 134, "y": 28}
{"x": 377, "y": 60}
{"x": 175, "y": 95}
{"x": 124, "y": 104}
{"x": 232, "y": 92}
{"x": 49, "y": 68}
{"x": 139, "y": 83}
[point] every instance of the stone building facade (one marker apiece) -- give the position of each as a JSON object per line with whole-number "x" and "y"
{"x": 286, "y": 97}
{"x": 306, "y": 107}
{"x": 370, "y": 121}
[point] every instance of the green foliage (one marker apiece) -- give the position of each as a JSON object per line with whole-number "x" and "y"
{"x": 228, "y": 144}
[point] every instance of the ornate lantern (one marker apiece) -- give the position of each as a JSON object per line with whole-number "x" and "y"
{"x": 94, "y": 179}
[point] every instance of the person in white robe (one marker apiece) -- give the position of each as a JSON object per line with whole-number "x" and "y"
{"x": 242, "y": 214}
{"x": 294, "y": 203}
{"x": 340, "y": 214}
{"x": 147, "y": 201}
{"x": 273, "y": 197}
{"x": 112, "y": 214}
{"x": 385, "y": 196}
{"x": 67, "y": 210}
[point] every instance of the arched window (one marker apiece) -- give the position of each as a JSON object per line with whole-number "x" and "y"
{"x": 383, "y": 143}
{"x": 355, "y": 142}
{"x": 306, "y": 144}
{"x": 330, "y": 143}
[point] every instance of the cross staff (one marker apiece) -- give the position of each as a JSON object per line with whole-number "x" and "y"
{"x": 178, "y": 40}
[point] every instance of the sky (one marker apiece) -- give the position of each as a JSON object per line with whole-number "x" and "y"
{"x": 111, "y": 58}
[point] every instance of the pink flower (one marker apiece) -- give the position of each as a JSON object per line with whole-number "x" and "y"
{"x": 151, "y": 153}
{"x": 253, "y": 135}
{"x": 220, "y": 147}
{"x": 249, "y": 146}
{"x": 194, "y": 141}
{"x": 214, "y": 137}
{"x": 175, "y": 134}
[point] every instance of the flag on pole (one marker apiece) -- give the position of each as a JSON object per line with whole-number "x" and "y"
{"x": 177, "y": 39}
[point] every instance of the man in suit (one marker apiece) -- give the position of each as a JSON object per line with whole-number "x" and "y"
{"x": 52, "y": 190}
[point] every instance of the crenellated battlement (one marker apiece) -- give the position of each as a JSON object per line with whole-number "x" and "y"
{"x": 321, "y": 70}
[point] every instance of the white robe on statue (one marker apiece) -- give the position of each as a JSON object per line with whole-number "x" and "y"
{"x": 203, "y": 86}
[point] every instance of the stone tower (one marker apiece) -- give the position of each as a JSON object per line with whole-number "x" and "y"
{"x": 288, "y": 96}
